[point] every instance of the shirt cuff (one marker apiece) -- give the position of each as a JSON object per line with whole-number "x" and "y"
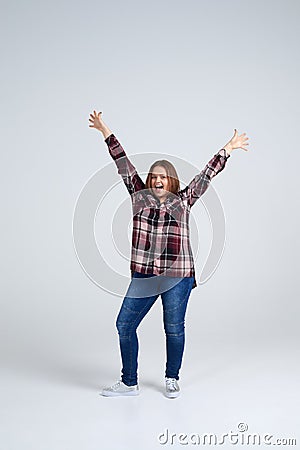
{"x": 224, "y": 153}
{"x": 108, "y": 138}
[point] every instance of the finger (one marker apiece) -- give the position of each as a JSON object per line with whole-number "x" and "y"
{"x": 92, "y": 115}
{"x": 91, "y": 120}
{"x": 95, "y": 113}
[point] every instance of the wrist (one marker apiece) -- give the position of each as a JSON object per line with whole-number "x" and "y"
{"x": 106, "y": 132}
{"x": 228, "y": 148}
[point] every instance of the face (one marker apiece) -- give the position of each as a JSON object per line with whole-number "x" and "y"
{"x": 159, "y": 182}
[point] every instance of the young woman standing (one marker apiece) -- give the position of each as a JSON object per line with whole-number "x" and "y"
{"x": 161, "y": 256}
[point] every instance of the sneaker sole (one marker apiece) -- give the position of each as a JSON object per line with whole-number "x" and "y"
{"x": 119, "y": 394}
{"x": 172, "y": 395}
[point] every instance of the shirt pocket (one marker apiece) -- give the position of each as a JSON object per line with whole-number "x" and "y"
{"x": 141, "y": 231}
{"x": 140, "y": 239}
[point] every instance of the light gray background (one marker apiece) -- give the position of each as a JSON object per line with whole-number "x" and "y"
{"x": 173, "y": 77}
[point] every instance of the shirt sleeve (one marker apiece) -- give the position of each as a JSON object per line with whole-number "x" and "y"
{"x": 126, "y": 169}
{"x": 199, "y": 184}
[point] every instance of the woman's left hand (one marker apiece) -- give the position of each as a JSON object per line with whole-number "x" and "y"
{"x": 237, "y": 142}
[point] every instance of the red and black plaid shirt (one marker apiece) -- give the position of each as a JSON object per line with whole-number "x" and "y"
{"x": 160, "y": 235}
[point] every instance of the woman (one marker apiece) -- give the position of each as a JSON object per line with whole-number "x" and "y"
{"x": 161, "y": 256}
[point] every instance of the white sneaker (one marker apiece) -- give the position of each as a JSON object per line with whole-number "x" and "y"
{"x": 172, "y": 388}
{"x": 119, "y": 388}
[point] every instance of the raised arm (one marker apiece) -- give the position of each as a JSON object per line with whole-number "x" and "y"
{"x": 126, "y": 169}
{"x": 199, "y": 184}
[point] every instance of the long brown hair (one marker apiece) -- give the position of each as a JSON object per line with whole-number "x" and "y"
{"x": 173, "y": 181}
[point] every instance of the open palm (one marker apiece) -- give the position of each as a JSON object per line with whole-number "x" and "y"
{"x": 97, "y": 121}
{"x": 239, "y": 141}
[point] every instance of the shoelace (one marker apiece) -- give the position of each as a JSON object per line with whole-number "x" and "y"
{"x": 116, "y": 385}
{"x": 171, "y": 383}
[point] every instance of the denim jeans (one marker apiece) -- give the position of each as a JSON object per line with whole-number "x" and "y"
{"x": 174, "y": 292}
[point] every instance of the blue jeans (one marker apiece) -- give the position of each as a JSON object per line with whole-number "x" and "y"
{"x": 175, "y": 292}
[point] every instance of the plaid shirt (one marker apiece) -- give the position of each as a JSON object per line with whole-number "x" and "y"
{"x": 160, "y": 235}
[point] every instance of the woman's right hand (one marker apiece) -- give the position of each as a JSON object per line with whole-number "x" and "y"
{"x": 98, "y": 123}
